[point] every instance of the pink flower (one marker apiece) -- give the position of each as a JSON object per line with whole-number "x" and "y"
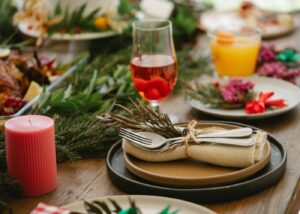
{"x": 267, "y": 53}
{"x": 232, "y": 91}
{"x": 279, "y": 70}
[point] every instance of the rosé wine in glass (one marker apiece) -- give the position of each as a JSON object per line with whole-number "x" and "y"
{"x": 154, "y": 76}
{"x": 153, "y": 64}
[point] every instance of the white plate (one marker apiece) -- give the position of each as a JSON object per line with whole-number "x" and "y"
{"x": 214, "y": 20}
{"x": 147, "y": 204}
{"x": 23, "y": 26}
{"x": 282, "y": 90}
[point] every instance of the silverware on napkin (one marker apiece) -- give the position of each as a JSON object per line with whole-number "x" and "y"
{"x": 155, "y": 142}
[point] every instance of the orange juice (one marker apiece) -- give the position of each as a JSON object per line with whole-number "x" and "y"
{"x": 234, "y": 55}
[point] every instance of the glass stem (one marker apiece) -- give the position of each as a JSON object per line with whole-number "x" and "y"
{"x": 155, "y": 106}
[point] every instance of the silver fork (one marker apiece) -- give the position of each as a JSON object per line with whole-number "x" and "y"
{"x": 154, "y": 141}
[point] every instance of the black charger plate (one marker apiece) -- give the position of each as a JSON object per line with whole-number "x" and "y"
{"x": 266, "y": 177}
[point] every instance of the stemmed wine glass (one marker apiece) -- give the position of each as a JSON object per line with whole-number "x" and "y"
{"x": 153, "y": 64}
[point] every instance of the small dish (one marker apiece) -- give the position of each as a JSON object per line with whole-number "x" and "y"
{"x": 282, "y": 90}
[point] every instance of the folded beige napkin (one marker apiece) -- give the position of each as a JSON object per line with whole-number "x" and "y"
{"x": 218, "y": 154}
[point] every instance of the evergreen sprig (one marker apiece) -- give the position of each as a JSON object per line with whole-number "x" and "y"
{"x": 6, "y": 24}
{"x": 75, "y": 21}
{"x": 99, "y": 207}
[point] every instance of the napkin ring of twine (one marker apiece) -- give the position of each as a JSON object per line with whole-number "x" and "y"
{"x": 190, "y": 136}
{"x": 192, "y": 132}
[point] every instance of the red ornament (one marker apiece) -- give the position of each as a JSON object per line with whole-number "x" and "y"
{"x": 255, "y": 107}
{"x": 260, "y": 105}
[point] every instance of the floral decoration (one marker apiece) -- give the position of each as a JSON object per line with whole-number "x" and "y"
{"x": 232, "y": 94}
{"x": 284, "y": 64}
{"x": 263, "y": 102}
{"x": 235, "y": 93}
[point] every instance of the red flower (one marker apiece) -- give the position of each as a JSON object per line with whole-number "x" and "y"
{"x": 260, "y": 105}
{"x": 276, "y": 103}
{"x": 255, "y": 107}
{"x": 216, "y": 84}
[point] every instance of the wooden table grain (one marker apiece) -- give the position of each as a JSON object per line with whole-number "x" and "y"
{"x": 88, "y": 178}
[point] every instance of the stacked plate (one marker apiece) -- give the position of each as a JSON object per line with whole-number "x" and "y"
{"x": 196, "y": 181}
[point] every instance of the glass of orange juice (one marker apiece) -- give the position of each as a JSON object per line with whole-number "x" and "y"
{"x": 235, "y": 51}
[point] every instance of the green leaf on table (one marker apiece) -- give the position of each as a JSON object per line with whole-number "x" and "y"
{"x": 58, "y": 9}
{"x": 91, "y": 208}
{"x": 57, "y": 95}
{"x": 125, "y": 7}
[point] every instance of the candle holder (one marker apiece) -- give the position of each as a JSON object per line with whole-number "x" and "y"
{"x": 31, "y": 156}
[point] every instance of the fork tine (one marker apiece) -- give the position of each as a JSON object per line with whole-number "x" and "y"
{"x": 136, "y": 142}
{"x": 133, "y": 138}
{"x": 134, "y": 135}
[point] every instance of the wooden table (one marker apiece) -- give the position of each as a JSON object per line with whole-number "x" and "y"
{"x": 88, "y": 178}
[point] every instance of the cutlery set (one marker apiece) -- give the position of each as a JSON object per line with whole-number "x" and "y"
{"x": 155, "y": 142}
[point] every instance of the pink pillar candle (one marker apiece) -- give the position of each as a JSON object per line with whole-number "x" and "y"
{"x": 31, "y": 156}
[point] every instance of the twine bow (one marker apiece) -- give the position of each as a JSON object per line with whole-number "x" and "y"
{"x": 191, "y": 132}
{"x": 191, "y": 135}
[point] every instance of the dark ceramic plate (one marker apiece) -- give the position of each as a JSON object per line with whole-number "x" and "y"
{"x": 266, "y": 177}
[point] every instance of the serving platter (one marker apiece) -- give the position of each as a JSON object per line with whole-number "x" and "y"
{"x": 147, "y": 204}
{"x": 212, "y": 20}
{"x": 189, "y": 173}
{"x": 130, "y": 183}
{"x": 282, "y": 90}
{"x": 25, "y": 29}
{"x": 55, "y": 83}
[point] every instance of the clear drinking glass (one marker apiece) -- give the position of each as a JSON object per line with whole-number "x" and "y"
{"x": 235, "y": 50}
{"x": 153, "y": 64}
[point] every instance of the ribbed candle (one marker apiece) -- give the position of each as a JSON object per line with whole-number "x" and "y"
{"x": 31, "y": 156}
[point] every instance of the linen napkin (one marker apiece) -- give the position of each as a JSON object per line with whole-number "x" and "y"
{"x": 218, "y": 154}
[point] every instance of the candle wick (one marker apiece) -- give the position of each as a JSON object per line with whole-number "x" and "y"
{"x": 29, "y": 121}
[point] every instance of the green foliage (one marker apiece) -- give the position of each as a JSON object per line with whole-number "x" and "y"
{"x": 75, "y": 21}
{"x": 184, "y": 25}
{"x": 8, "y": 188}
{"x": 190, "y": 68}
{"x": 93, "y": 88}
{"x": 99, "y": 207}
{"x": 210, "y": 94}
{"x": 125, "y": 7}
{"x": 82, "y": 137}
{"x": 6, "y": 26}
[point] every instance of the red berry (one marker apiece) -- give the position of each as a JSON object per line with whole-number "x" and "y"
{"x": 140, "y": 84}
{"x": 77, "y": 30}
{"x": 161, "y": 85}
{"x": 152, "y": 94}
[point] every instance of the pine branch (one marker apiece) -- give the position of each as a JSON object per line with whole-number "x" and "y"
{"x": 82, "y": 137}
{"x": 140, "y": 117}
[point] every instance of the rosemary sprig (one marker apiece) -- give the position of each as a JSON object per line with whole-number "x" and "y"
{"x": 141, "y": 117}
